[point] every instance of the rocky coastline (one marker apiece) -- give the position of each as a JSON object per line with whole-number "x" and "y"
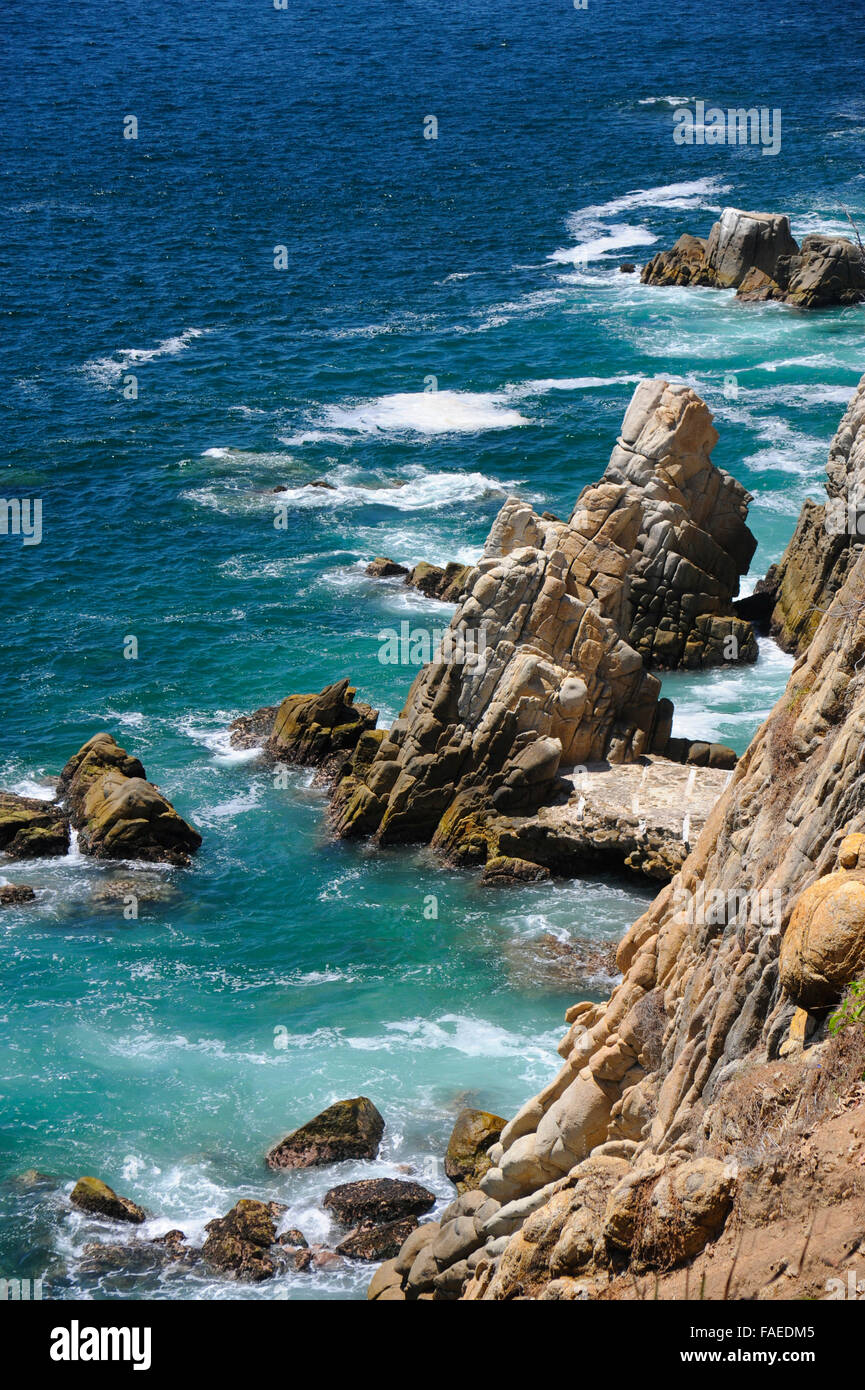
{"x": 756, "y": 254}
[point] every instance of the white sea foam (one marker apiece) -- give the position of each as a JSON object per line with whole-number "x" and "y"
{"x": 424, "y": 412}
{"x": 217, "y": 740}
{"x": 615, "y": 238}
{"x": 418, "y": 490}
{"x": 105, "y": 371}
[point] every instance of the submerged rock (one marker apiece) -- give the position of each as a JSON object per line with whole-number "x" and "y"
{"x": 347, "y": 1129}
{"x": 467, "y": 1157}
{"x": 98, "y": 1199}
{"x": 14, "y": 893}
{"x": 119, "y": 814}
{"x": 31, "y": 828}
{"x": 377, "y": 1200}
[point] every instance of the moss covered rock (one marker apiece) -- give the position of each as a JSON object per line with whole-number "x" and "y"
{"x": 31, "y": 828}
{"x": 96, "y": 1198}
{"x": 347, "y": 1129}
{"x": 119, "y": 814}
{"x": 467, "y": 1158}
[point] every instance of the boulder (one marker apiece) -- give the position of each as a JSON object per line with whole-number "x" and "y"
{"x": 98, "y": 1199}
{"x": 377, "y": 1242}
{"x": 740, "y": 241}
{"x": 383, "y": 568}
{"x": 385, "y": 1280}
{"x": 238, "y": 1244}
{"x": 31, "y": 828}
{"x": 824, "y": 945}
{"x": 467, "y": 1157}
{"x": 376, "y": 1200}
{"x": 119, "y": 814}
{"x": 347, "y": 1129}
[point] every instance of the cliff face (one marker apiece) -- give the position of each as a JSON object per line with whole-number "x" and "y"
{"x": 547, "y": 661}
{"x": 828, "y": 538}
{"x": 634, "y": 1155}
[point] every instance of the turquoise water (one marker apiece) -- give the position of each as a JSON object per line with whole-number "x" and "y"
{"x": 146, "y": 1052}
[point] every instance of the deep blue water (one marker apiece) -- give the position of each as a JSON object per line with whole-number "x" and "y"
{"x": 484, "y": 262}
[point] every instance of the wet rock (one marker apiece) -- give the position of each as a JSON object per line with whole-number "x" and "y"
{"x": 13, "y": 893}
{"x": 119, "y": 814}
{"x": 238, "y": 1244}
{"x": 31, "y": 828}
{"x": 448, "y": 583}
{"x": 383, "y": 568}
{"x": 98, "y": 1199}
{"x": 756, "y": 253}
{"x": 505, "y": 869}
{"x": 627, "y": 268}
{"x": 293, "y": 1238}
{"x": 307, "y": 729}
{"x": 374, "y": 1200}
{"x": 472, "y": 1136}
{"x": 377, "y": 1242}
{"x": 348, "y": 1129}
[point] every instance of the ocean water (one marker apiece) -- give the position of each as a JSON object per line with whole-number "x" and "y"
{"x": 450, "y": 326}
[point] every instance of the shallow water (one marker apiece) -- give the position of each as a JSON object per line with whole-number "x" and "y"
{"x": 283, "y": 971}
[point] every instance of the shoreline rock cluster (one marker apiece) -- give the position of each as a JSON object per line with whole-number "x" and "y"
{"x": 377, "y": 1215}
{"x": 445, "y": 582}
{"x": 104, "y": 796}
{"x": 756, "y": 254}
{"x": 551, "y": 657}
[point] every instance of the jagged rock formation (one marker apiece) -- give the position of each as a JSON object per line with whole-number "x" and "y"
{"x": 309, "y": 729}
{"x": 547, "y": 660}
{"x": 756, "y": 253}
{"x": 661, "y": 1116}
{"x": 119, "y": 814}
{"x": 827, "y": 541}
